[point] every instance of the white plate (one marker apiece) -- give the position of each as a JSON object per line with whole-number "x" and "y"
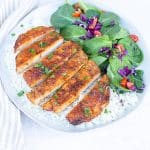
{"x": 13, "y": 82}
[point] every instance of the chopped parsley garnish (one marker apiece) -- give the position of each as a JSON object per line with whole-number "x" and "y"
{"x": 43, "y": 44}
{"x": 85, "y": 78}
{"x": 101, "y": 89}
{"x": 32, "y": 51}
{"x": 13, "y": 34}
{"x": 87, "y": 111}
{"x": 39, "y": 65}
{"x": 50, "y": 55}
{"x": 21, "y": 93}
{"x": 56, "y": 96}
{"x": 106, "y": 111}
{"x": 46, "y": 70}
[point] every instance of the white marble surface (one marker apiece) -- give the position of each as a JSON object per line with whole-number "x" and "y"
{"x": 129, "y": 133}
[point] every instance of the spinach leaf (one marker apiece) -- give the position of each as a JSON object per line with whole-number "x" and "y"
{"x": 107, "y": 18}
{"x": 135, "y": 54}
{"x": 63, "y": 16}
{"x": 137, "y": 79}
{"x": 86, "y": 6}
{"x": 72, "y": 32}
{"x": 116, "y": 64}
{"x": 111, "y": 31}
{"x": 119, "y": 35}
{"x": 91, "y": 13}
{"x": 93, "y": 46}
{"x": 98, "y": 59}
{"x": 115, "y": 81}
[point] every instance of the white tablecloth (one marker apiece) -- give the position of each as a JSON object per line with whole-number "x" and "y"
{"x": 129, "y": 133}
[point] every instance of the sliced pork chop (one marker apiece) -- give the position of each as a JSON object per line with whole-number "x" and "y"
{"x": 31, "y": 36}
{"x": 92, "y": 104}
{"x": 72, "y": 89}
{"x": 36, "y": 51}
{"x": 58, "y": 78}
{"x": 36, "y": 74}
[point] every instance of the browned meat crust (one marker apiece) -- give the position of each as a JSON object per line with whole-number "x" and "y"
{"x": 31, "y": 36}
{"x": 36, "y": 51}
{"x": 35, "y": 75}
{"x": 71, "y": 90}
{"x": 92, "y": 105}
{"x": 58, "y": 78}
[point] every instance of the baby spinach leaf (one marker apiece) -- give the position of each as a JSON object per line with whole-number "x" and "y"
{"x": 119, "y": 35}
{"x": 63, "y": 16}
{"x": 91, "y": 13}
{"x": 98, "y": 59}
{"x": 135, "y": 54}
{"x": 72, "y": 32}
{"x": 137, "y": 79}
{"x": 93, "y": 46}
{"x": 116, "y": 64}
{"x": 115, "y": 81}
{"x": 107, "y": 18}
{"x": 111, "y": 31}
{"x": 86, "y": 6}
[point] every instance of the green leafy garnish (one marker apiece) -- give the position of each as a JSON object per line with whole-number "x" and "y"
{"x": 106, "y": 111}
{"x": 63, "y": 16}
{"x": 50, "y": 55}
{"x": 45, "y": 70}
{"x": 75, "y": 33}
{"x": 87, "y": 112}
{"x": 32, "y": 50}
{"x": 43, "y": 44}
{"x": 55, "y": 96}
{"x": 93, "y": 46}
{"x": 21, "y": 93}
{"x": 13, "y": 34}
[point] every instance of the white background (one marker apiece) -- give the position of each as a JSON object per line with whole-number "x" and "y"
{"x": 129, "y": 133}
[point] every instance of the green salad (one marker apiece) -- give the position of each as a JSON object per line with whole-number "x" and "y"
{"x": 105, "y": 41}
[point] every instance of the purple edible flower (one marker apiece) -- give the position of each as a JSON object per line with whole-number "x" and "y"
{"x": 98, "y": 26}
{"x": 106, "y": 50}
{"x": 90, "y": 34}
{"x": 126, "y": 71}
{"x": 83, "y": 18}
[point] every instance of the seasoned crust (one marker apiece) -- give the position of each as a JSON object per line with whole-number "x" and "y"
{"x": 71, "y": 90}
{"x": 36, "y": 51}
{"x": 31, "y": 36}
{"x": 92, "y": 104}
{"x": 58, "y": 78}
{"x": 35, "y": 75}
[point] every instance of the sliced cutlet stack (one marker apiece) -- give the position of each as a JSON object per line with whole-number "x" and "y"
{"x": 58, "y": 78}
{"x": 39, "y": 72}
{"x": 31, "y": 36}
{"x": 36, "y": 51}
{"x": 92, "y": 104}
{"x": 72, "y": 89}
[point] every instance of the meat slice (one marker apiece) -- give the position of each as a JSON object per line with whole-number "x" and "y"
{"x": 71, "y": 90}
{"x": 92, "y": 104}
{"x": 58, "y": 78}
{"x": 31, "y": 36}
{"x": 35, "y": 52}
{"x": 36, "y": 74}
